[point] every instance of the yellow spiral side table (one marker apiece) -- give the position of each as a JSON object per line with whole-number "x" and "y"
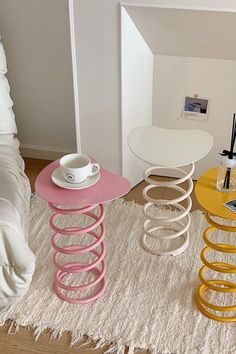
{"x": 212, "y": 202}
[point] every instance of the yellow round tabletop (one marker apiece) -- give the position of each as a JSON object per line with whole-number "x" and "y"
{"x": 212, "y": 200}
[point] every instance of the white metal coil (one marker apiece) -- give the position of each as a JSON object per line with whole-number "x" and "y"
{"x": 179, "y": 225}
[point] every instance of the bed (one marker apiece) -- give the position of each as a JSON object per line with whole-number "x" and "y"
{"x": 17, "y": 262}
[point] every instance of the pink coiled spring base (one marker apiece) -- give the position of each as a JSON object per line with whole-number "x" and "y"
{"x": 97, "y": 248}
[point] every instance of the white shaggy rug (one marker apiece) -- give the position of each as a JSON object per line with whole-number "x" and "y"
{"x": 149, "y": 301}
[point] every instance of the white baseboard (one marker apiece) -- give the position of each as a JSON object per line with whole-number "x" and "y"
{"x": 44, "y": 153}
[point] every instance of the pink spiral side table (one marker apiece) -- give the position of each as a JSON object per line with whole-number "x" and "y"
{"x": 90, "y": 201}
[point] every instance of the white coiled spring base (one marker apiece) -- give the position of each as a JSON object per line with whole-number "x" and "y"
{"x": 165, "y": 228}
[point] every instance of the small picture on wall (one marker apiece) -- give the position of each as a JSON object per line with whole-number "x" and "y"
{"x": 195, "y": 107}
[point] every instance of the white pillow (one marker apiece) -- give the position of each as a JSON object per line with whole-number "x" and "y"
{"x": 5, "y": 99}
{"x": 3, "y": 62}
{"x": 7, "y": 117}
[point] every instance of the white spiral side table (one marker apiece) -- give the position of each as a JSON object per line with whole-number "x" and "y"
{"x": 168, "y": 149}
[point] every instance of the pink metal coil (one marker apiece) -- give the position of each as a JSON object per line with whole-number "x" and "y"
{"x": 98, "y": 248}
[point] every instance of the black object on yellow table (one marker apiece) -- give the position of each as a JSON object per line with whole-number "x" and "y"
{"x": 212, "y": 201}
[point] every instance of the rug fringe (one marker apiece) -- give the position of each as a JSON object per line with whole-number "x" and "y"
{"x": 158, "y": 351}
{"x": 55, "y": 335}
{"x": 112, "y": 350}
{"x": 14, "y": 328}
{"x": 131, "y": 349}
{"x": 88, "y": 341}
{"x": 75, "y": 339}
{"x": 119, "y": 348}
{"x": 101, "y": 343}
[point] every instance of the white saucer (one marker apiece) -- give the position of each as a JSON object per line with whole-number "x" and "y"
{"x": 58, "y": 179}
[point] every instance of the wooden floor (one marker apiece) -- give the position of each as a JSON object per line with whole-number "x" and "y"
{"x": 22, "y": 342}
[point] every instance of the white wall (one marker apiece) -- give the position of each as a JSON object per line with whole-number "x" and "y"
{"x": 185, "y": 32}
{"x": 98, "y": 33}
{"x": 97, "y": 25}
{"x": 36, "y": 38}
{"x": 177, "y": 77}
{"x": 137, "y": 92}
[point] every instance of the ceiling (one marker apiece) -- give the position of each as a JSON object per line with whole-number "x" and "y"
{"x": 186, "y": 33}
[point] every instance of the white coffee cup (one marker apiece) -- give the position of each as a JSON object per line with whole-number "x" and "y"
{"x": 76, "y": 168}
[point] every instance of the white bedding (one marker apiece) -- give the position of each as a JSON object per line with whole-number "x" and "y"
{"x": 7, "y": 117}
{"x": 17, "y": 262}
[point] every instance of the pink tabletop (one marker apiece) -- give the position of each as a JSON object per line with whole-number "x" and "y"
{"x": 109, "y": 187}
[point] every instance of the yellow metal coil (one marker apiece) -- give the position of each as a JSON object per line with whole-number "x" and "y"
{"x": 222, "y": 286}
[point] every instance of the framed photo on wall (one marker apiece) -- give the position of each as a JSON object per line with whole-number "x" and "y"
{"x": 196, "y": 108}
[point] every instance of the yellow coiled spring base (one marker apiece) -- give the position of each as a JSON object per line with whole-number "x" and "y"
{"x": 221, "y": 286}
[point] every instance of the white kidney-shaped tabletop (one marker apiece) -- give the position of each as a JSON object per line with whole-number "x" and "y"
{"x": 169, "y": 147}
